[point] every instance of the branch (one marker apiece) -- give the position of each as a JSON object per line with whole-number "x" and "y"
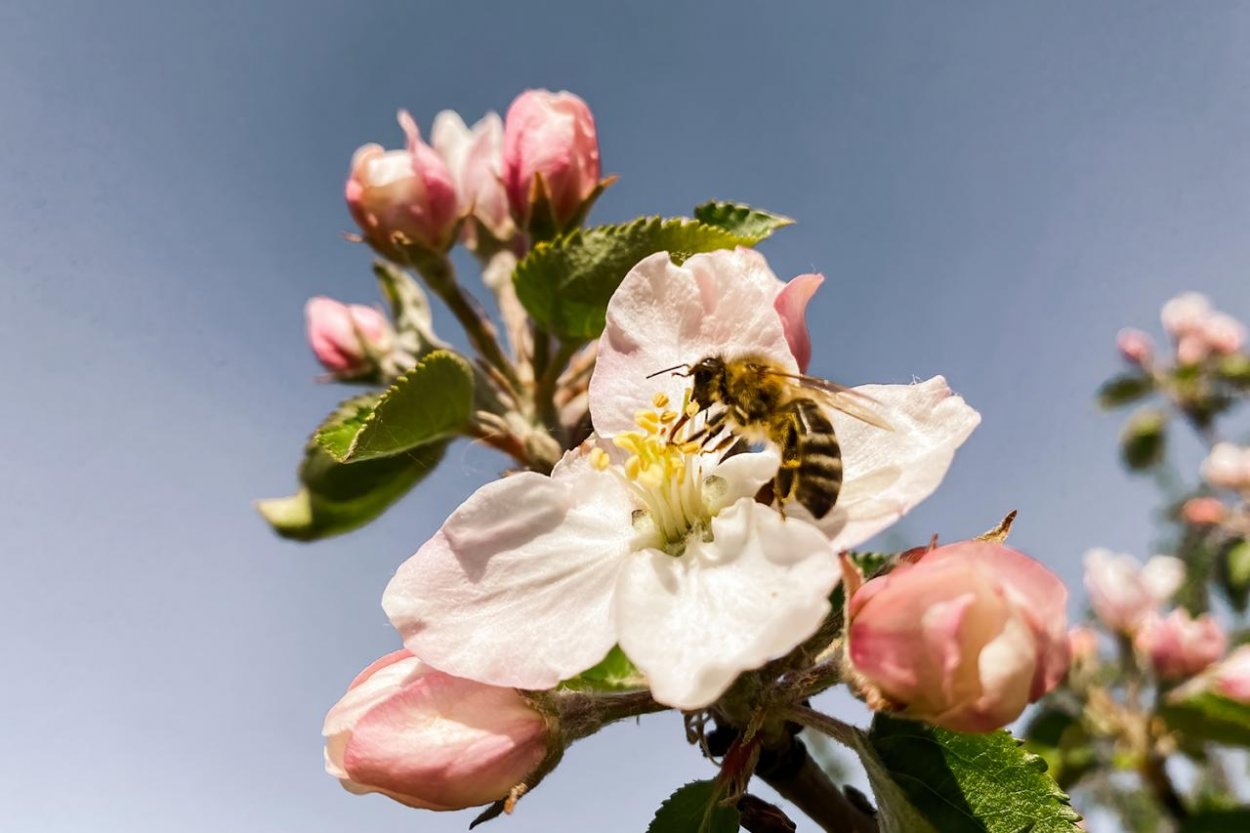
{"x": 790, "y": 771}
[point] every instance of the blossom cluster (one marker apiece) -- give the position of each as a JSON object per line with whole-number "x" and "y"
{"x": 653, "y": 551}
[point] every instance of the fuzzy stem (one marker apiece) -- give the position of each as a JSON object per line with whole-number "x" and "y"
{"x": 797, "y": 778}
{"x": 843, "y": 733}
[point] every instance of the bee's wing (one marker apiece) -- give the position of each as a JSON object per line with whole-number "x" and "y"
{"x": 847, "y": 400}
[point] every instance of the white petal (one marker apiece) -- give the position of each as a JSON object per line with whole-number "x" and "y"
{"x": 716, "y": 304}
{"x": 694, "y": 622}
{"x": 741, "y": 475}
{"x": 516, "y": 588}
{"x": 1162, "y": 576}
{"x": 451, "y": 138}
{"x": 886, "y": 473}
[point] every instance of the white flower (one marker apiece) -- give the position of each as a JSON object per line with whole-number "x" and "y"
{"x": 1228, "y": 467}
{"x": 644, "y": 539}
{"x": 1123, "y": 592}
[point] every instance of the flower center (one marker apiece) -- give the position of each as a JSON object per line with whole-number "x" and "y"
{"x": 664, "y": 471}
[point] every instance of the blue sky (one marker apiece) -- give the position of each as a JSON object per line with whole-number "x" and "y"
{"x": 992, "y": 189}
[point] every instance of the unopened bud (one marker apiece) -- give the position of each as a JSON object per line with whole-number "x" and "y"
{"x": 1179, "y": 647}
{"x": 1185, "y": 313}
{"x": 347, "y": 338}
{"x": 1203, "y": 511}
{"x": 1135, "y": 346}
{"x": 1228, "y": 467}
{"x": 1231, "y": 678}
{"x": 1123, "y": 593}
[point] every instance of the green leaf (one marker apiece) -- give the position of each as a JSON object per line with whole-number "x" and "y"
{"x": 929, "y": 780}
{"x": 1235, "y": 369}
{"x": 1060, "y": 739}
{"x": 334, "y": 497}
{"x": 1208, "y": 716}
{"x": 614, "y": 672}
{"x": 565, "y": 284}
{"x": 746, "y": 222}
{"x": 1144, "y": 441}
{"x": 430, "y": 402}
{"x": 694, "y": 809}
{"x": 1123, "y": 389}
{"x": 1234, "y": 575}
{"x": 1218, "y": 821}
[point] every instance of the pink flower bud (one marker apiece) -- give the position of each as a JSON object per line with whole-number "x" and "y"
{"x": 1224, "y": 334}
{"x": 1135, "y": 346}
{"x": 550, "y": 137}
{"x": 791, "y": 306}
{"x": 403, "y": 199}
{"x": 430, "y": 740}
{"x": 1192, "y": 348}
{"x": 1123, "y": 592}
{"x": 475, "y": 160}
{"x": 1231, "y": 678}
{"x": 1228, "y": 467}
{"x": 964, "y": 638}
{"x": 344, "y": 336}
{"x": 1203, "y": 511}
{"x": 1179, "y": 647}
{"x": 1185, "y": 313}
{"x": 1083, "y": 644}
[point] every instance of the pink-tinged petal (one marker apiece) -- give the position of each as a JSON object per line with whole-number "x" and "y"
{"x": 380, "y": 663}
{"x": 1232, "y": 676}
{"x": 371, "y": 687}
{"x": 1035, "y": 591}
{"x": 1005, "y": 671}
{"x": 887, "y": 473}
{"x": 552, "y": 137}
{"x": 664, "y": 315}
{"x": 791, "y": 305}
{"x": 693, "y": 623}
{"x": 444, "y": 743}
{"x": 488, "y": 596}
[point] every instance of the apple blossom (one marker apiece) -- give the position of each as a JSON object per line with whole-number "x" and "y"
{"x": 475, "y": 161}
{"x": 430, "y": 740}
{"x": 1224, "y": 334}
{"x": 1231, "y": 677}
{"x": 963, "y": 638}
{"x": 1185, "y": 313}
{"x": 1083, "y": 644}
{"x": 646, "y": 539}
{"x": 1123, "y": 592}
{"x": 1135, "y": 346}
{"x": 1179, "y": 646}
{"x": 346, "y": 338}
{"x": 550, "y": 151}
{"x": 1228, "y": 467}
{"x": 791, "y": 305}
{"x": 1203, "y": 511}
{"x": 403, "y": 199}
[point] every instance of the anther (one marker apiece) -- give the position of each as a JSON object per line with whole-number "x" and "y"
{"x": 599, "y": 459}
{"x": 660, "y": 400}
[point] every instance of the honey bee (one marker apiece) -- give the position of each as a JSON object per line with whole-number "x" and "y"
{"x": 760, "y": 402}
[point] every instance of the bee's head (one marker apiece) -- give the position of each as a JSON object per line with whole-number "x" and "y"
{"x": 707, "y": 374}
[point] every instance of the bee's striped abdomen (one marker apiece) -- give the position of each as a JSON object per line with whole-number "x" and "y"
{"x": 811, "y": 461}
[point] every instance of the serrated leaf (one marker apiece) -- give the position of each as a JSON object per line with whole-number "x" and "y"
{"x": 694, "y": 809}
{"x": 431, "y": 402}
{"x": 565, "y": 284}
{"x": 1123, "y": 389}
{"x": 1208, "y": 716}
{"x": 334, "y": 497}
{"x": 614, "y": 672}
{"x": 749, "y": 223}
{"x": 929, "y": 780}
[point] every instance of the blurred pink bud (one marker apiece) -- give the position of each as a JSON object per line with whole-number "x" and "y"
{"x": 1203, "y": 511}
{"x": 550, "y": 137}
{"x": 1179, "y": 647}
{"x": 1192, "y": 348}
{"x": 403, "y": 198}
{"x": 475, "y": 160}
{"x": 963, "y": 638}
{"x": 1123, "y": 592}
{"x": 1083, "y": 644}
{"x": 430, "y": 740}
{"x": 791, "y": 306}
{"x": 1185, "y": 313}
{"x": 1224, "y": 334}
{"x": 1228, "y": 467}
{"x": 344, "y": 336}
{"x": 1135, "y": 346}
{"x": 1231, "y": 677}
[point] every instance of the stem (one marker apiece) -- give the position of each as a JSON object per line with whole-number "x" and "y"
{"x": 843, "y": 733}
{"x": 441, "y": 278}
{"x": 1154, "y": 772}
{"x": 545, "y": 391}
{"x": 797, "y": 778}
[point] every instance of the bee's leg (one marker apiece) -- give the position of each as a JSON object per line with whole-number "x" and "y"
{"x": 786, "y": 481}
{"x": 713, "y": 423}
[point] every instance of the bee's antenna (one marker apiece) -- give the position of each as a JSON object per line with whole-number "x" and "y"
{"x": 667, "y": 369}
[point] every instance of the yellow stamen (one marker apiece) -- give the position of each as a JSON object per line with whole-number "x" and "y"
{"x": 599, "y": 459}
{"x": 660, "y": 400}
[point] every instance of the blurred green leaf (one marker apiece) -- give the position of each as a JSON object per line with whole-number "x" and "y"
{"x": 1235, "y": 369}
{"x": 431, "y": 402}
{"x": 1059, "y": 738}
{"x": 1144, "y": 440}
{"x": 929, "y": 780}
{"x": 1123, "y": 389}
{"x": 1234, "y": 573}
{"x": 1208, "y": 716}
{"x": 1218, "y": 821}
